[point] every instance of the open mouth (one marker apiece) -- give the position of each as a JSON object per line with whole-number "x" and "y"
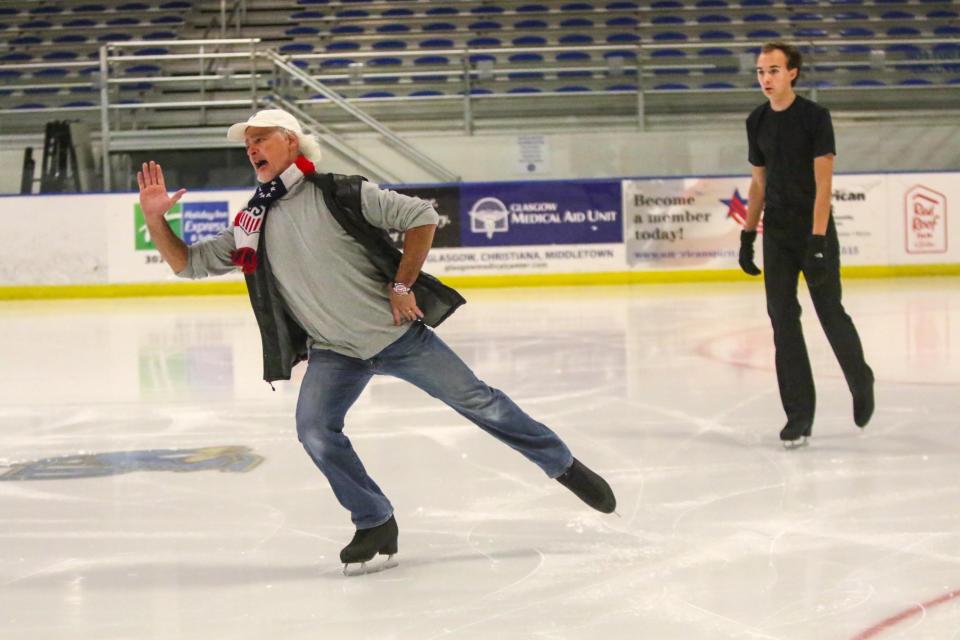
{"x": 260, "y": 164}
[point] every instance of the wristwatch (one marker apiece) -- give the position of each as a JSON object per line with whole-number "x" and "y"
{"x": 399, "y": 288}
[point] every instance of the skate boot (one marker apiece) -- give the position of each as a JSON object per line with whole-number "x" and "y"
{"x": 589, "y": 487}
{"x": 795, "y": 433}
{"x": 365, "y": 546}
{"x": 863, "y": 404}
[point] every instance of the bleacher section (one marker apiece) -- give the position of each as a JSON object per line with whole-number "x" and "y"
{"x": 415, "y": 59}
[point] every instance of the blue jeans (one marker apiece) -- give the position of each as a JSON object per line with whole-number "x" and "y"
{"x": 333, "y": 382}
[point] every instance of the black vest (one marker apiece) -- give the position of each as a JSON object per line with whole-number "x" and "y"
{"x": 284, "y": 341}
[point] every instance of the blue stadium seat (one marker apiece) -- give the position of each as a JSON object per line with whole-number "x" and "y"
{"x": 35, "y": 25}
{"x": 152, "y": 51}
{"x": 526, "y": 57}
{"x": 806, "y": 17}
{"x": 529, "y": 41}
{"x": 484, "y": 42}
{"x": 718, "y": 85}
{"x": 442, "y": 11}
{"x": 31, "y": 105}
{"x": 622, "y": 38}
{"x": 439, "y": 26}
{"x": 486, "y": 9}
{"x": 47, "y": 10}
{"x": 425, "y": 93}
{"x": 80, "y": 23}
{"x": 393, "y": 27}
{"x": 668, "y": 53}
{"x": 908, "y": 32}
{"x": 576, "y": 23}
{"x": 50, "y": 72}
{"x": 762, "y": 34}
{"x": 716, "y": 35}
{"x": 436, "y": 43}
{"x": 575, "y": 39}
{"x": 384, "y": 61}
{"x": 532, "y": 8}
{"x": 669, "y": 36}
{"x": 343, "y": 45}
{"x": 667, "y": 4}
{"x": 431, "y": 60}
{"x": 377, "y": 94}
{"x": 90, "y": 8}
{"x": 572, "y": 56}
{"x": 167, "y": 20}
{"x": 575, "y": 73}
{"x": 296, "y": 47}
{"x": 622, "y": 87}
{"x": 671, "y": 19}
{"x": 485, "y": 25}
{"x": 856, "y": 32}
{"x": 810, "y": 32}
{"x": 133, "y": 6}
{"x": 346, "y": 29}
{"x": 389, "y": 45}
{"x": 301, "y": 31}
{"x": 897, "y": 15}
{"x": 9, "y": 11}
{"x": 10, "y": 74}
{"x": 60, "y": 55}
{"x": 524, "y": 90}
{"x": 352, "y": 13}
{"x": 759, "y": 17}
{"x": 616, "y": 6}
{"x": 947, "y": 30}
{"x": 913, "y": 82}
{"x": 715, "y": 52}
{"x": 906, "y": 49}
{"x": 850, "y": 15}
{"x": 306, "y": 15}
{"x": 943, "y": 13}
{"x": 527, "y": 25}
{"x": 854, "y": 48}
{"x": 26, "y": 40}
{"x": 123, "y": 21}
{"x": 176, "y": 5}
{"x": 70, "y": 38}
{"x": 577, "y": 6}
{"x": 337, "y": 62}
{"x": 622, "y": 21}
{"x": 79, "y": 103}
{"x": 670, "y": 86}
{"x": 756, "y": 3}
{"x": 397, "y": 12}
{"x": 713, "y": 18}
{"x": 576, "y": 88}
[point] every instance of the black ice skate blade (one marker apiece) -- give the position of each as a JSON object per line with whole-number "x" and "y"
{"x": 375, "y": 565}
{"x": 802, "y": 441}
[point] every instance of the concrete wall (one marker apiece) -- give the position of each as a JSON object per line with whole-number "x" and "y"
{"x": 600, "y": 153}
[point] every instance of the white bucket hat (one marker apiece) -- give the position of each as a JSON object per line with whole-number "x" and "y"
{"x": 309, "y": 147}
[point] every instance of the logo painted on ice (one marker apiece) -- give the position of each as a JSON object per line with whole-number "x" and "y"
{"x": 925, "y": 213}
{"x": 231, "y": 459}
{"x": 489, "y": 216}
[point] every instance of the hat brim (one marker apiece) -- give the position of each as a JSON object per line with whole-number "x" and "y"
{"x": 237, "y": 132}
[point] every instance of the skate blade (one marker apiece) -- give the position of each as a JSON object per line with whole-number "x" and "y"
{"x": 377, "y": 564}
{"x": 796, "y": 444}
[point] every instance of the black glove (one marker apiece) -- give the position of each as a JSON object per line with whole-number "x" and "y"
{"x": 746, "y": 253}
{"x": 815, "y": 261}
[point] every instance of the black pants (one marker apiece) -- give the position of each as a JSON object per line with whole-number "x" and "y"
{"x": 783, "y": 255}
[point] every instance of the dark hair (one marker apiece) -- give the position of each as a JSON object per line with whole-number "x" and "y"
{"x": 794, "y": 59}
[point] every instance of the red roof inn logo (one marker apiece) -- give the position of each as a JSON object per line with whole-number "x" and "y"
{"x": 926, "y": 220}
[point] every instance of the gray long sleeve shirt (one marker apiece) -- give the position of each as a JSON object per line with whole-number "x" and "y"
{"x": 328, "y": 283}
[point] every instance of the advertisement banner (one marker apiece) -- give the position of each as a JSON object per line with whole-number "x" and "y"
{"x": 198, "y": 216}
{"x": 446, "y": 201}
{"x": 858, "y": 205}
{"x": 541, "y": 213}
{"x": 688, "y": 223}
{"x": 918, "y": 218}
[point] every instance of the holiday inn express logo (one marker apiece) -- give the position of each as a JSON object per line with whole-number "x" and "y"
{"x": 191, "y": 221}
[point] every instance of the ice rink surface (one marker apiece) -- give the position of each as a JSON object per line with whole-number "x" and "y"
{"x": 152, "y": 486}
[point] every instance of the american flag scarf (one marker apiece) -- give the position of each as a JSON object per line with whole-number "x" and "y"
{"x": 249, "y": 221}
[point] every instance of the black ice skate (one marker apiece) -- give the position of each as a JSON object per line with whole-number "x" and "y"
{"x": 863, "y": 404}
{"x": 365, "y": 546}
{"x": 589, "y": 487}
{"x": 795, "y": 433}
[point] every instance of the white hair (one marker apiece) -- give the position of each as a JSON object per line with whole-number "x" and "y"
{"x": 309, "y": 146}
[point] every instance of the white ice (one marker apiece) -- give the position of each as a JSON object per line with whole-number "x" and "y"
{"x": 668, "y": 391}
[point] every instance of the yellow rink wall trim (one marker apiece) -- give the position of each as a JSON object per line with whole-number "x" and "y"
{"x": 38, "y": 292}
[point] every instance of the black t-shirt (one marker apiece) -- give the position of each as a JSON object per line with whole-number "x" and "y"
{"x": 785, "y": 144}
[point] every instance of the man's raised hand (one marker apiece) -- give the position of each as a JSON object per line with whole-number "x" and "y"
{"x": 154, "y": 199}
